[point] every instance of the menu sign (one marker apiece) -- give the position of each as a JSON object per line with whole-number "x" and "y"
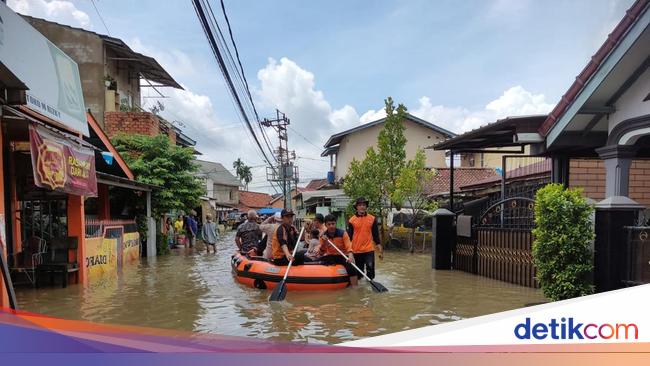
{"x": 61, "y": 164}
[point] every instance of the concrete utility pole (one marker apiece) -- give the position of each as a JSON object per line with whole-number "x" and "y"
{"x": 286, "y": 171}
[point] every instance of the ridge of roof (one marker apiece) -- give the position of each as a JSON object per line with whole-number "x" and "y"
{"x": 612, "y": 41}
{"x": 409, "y": 116}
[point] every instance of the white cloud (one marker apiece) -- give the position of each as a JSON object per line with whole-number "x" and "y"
{"x": 513, "y": 102}
{"x": 64, "y": 12}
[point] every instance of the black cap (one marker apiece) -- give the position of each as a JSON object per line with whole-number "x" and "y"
{"x": 286, "y": 212}
{"x": 360, "y": 200}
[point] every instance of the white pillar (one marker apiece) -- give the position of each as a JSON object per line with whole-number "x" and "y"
{"x": 151, "y": 229}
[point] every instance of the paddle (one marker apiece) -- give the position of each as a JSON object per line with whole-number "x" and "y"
{"x": 376, "y": 286}
{"x": 280, "y": 291}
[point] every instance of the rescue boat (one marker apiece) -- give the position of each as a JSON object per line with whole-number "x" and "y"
{"x": 261, "y": 273}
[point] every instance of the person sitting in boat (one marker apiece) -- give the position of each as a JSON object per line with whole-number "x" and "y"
{"x": 314, "y": 246}
{"x": 248, "y": 234}
{"x": 340, "y": 238}
{"x": 284, "y": 241}
{"x": 268, "y": 227}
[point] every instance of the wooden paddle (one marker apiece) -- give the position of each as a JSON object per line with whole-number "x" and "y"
{"x": 280, "y": 291}
{"x": 376, "y": 286}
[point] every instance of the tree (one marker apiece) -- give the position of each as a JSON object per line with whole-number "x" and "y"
{"x": 563, "y": 235}
{"x": 410, "y": 190}
{"x": 362, "y": 181}
{"x": 243, "y": 172}
{"x": 155, "y": 160}
{"x": 391, "y": 144}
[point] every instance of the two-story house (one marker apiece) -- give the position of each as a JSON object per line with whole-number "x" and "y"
{"x": 222, "y": 190}
{"x": 345, "y": 146}
{"x": 112, "y": 78}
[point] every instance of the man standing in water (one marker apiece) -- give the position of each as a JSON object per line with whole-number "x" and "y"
{"x": 210, "y": 234}
{"x": 364, "y": 233}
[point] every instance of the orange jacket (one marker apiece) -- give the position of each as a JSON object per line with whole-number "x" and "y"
{"x": 283, "y": 236}
{"x": 364, "y": 232}
{"x": 340, "y": 238}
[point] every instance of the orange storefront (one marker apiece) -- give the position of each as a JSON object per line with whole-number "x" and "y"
{"x": 59, "y": 170}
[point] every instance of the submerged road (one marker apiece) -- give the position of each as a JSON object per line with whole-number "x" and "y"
{"x": 192, "y": 291}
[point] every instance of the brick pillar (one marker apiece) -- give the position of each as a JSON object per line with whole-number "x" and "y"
{"x": 77, "y": 227}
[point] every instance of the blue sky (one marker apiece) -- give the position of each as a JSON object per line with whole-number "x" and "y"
{"x": 330, "y": 64}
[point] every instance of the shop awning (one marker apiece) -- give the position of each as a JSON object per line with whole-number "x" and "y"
{"x": 268, "y": 211}
{"x": 115, "y": 181}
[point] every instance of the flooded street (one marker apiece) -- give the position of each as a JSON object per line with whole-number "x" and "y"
{"x": 197, "y": 292}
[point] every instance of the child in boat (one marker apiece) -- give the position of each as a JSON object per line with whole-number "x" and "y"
{"x": 339, "y": 238}
{"x": 314, "y": 245}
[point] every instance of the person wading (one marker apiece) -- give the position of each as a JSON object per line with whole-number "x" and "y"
{"x": 364, "y": 233}
{"x": 329, "y": 255}
{"x": 248, "y": 234}
{"x": 284, "y": 240}
{"x": 210, "y": 234}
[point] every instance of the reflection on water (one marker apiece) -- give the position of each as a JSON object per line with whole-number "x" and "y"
{"x": 197, "y": 292}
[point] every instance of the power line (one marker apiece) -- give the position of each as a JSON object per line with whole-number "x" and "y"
{"x": 304, "y": 138}
{"x": 100, "y": 17}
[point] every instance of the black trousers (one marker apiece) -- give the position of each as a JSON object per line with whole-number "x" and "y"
{"x": 330, "y": 260}
{"x": 298, "y": 260}
{"x": 365, "y": 262}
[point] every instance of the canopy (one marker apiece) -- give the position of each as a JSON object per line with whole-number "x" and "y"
{"x": 268, "y": 211}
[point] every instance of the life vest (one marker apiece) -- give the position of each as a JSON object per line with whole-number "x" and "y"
{"x": 276, "y": 247}
{"x": 340, "y": 238}
{"x": 362, "y": 233}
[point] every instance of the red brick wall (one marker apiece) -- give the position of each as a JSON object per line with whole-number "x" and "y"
{"x": 590, "y": 175}
{"x": 143, "y": 123}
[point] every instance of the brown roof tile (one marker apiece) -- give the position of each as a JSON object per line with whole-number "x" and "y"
{"x": 462, "y": 176}
{"x": 253, "y": 200}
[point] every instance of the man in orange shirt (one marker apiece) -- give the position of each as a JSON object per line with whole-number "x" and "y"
{"x": 364, "y": 233}
{"x": 329, "y": 255}
{"x": 284, "y": 240}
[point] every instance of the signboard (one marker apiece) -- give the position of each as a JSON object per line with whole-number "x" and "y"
{"x": 61, "y": 164}
{"x": 51, "y": 76}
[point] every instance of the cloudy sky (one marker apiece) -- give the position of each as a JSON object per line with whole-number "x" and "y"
{"x": 330, "y": 64}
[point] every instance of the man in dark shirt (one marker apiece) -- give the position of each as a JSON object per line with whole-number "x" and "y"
{"x": 248, "y": 234}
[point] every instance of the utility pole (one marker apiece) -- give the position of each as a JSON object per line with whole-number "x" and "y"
{"x": 286, "y": 171}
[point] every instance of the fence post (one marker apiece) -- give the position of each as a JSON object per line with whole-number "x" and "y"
{"x": 151, "y": 229}
{"x": 443, "y": 239}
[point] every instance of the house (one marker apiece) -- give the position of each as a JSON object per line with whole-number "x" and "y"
{"x": 345, "y": 146}
{"x": 111, "y": 74}
{"x": 278, "y": 202}
{"x": 253, "y": 201}
{"x": 438, "y": 187}
{"x": 222, "y": 190}
{"x": 316, "y": 184}
{"x": 329, "y": 201}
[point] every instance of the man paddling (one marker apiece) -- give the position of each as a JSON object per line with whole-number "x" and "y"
{"x": 284, "y": 240}
{"x": 329, "y": 255}
{"x": 364, "y": 233}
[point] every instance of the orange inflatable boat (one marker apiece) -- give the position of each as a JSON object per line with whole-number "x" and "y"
{"x": 258, "y": 272}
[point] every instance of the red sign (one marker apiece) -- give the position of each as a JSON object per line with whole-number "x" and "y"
{"x": 61, "y": 163}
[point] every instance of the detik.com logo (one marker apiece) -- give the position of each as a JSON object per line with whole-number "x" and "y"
{"x": 568, "y": 328}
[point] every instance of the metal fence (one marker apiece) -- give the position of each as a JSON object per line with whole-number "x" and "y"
{"x": 638, "y": 255}
{"x": 95, "y": 228}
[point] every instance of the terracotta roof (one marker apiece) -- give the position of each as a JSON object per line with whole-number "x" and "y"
{"x": 462, "y": 176}
{"x": 315, "y": 184}
{"x": 540, "y": 168}
{"x": 253, "y": 200}
{"x": 594, "y": 64}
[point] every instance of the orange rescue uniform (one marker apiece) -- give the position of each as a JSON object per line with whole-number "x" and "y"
{"x": 364, "y": 232}
{"x": 340, "y": 238}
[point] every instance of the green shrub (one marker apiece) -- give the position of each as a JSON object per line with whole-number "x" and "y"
{"x": 563, "y": 235}
{"x": 162, "y": 244}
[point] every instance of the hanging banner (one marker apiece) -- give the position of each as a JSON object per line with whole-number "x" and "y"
{"x": 61, "y": 164}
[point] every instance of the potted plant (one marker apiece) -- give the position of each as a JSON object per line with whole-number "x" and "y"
{"x": 180, "y": 237}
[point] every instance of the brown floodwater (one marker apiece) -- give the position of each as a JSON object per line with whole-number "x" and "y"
{"x": 193, "y": 291}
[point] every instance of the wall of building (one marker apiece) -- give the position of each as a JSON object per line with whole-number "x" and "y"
{"x": 143, "y": 123}
{"x": 590, "y": 175}
{"x": 128, "y": 82}
{"x": 631, "y": 103}
{"x": 482, "y": 160}
{"x": 226, "y": 194}
{"x": 355, "y": 145}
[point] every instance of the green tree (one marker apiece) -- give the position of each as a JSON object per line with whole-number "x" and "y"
{"x": 563, "y": 236}
{"x": 391, "y": 145}
{"x": 243, "y": 172}
{"x": 362, "y": 181}
{"x": 155, "y": 160}
{"x": 410, "y": 191}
